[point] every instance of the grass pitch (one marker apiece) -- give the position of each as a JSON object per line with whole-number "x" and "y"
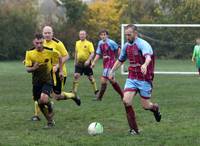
{"x": 177, "y": 95}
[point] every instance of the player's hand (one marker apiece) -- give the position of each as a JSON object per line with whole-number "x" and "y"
{"x": 193, "y": 60}
{"x": 36, "y": 65}
{"x": 55, "y": 68}
{"x": 61, "y": 75}
{"x": 92, "y": 65}
{"x": 111, "y": 75}
{"x": 144, "y": 69}
{"x": 87, "y": 63}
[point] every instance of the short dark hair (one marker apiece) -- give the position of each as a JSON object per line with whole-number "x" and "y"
{"x": 103, "y": 31}
{"x": 131, "y": 26}
{"x": 83, "y": 31}
{"x": 38, "y": 36}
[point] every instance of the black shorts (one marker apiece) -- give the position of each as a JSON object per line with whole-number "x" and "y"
{"x": 41, "y": 88}
{"x": 57, "y": 89}
{"x": 83, "y": 70}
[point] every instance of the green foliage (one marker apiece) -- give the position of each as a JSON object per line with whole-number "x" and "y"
{"x": 75, "y": 11}
{"x": 168, "y": 43}
{"x": 68, "y": 31}
{"x": 104, "y": 15}
{"x": 18, "y": 24}
{"x": 19, "y": 21}
{"x": 139, "y": 11}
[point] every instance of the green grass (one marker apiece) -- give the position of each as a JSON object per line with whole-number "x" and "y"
{"x": 178, "y": 96}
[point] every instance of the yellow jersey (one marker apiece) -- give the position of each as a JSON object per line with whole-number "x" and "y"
{"x": 83, "y": 50}
{"x": 45, "y": 59}
{"x": 59, "y": 46}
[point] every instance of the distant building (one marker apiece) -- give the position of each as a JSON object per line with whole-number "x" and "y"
{"x": 50, "y": 11}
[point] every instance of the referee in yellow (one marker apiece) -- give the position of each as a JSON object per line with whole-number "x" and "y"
{"x": 84, "y": 54}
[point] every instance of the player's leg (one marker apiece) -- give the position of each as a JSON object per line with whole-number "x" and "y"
{"x": 76, "y": 82}
{"x": 36, "y": 111}
{"x": 130, "y": 91}
{"x": 77, "y": 75}
{"x": 145, "y": 93}
{"x": 130, "y": 113}
{"x": 58, "y": 94}
{"x": 36, "y": 95}
{"x": 45, "y": 102}
{"x": 102, "y": 90}
{"x": 116, "y": 87}
{"x": 89, "y": 73}
{"x": 153, "y": 107}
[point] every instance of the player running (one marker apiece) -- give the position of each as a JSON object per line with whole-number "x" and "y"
{"x": 38, "y": 61}
{"x": 141, "y": 73}
{"x": 56, "y": 44}
{"x": 108, "y": 49}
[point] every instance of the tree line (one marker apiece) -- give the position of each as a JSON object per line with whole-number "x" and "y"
{"x": 19, "y": 22}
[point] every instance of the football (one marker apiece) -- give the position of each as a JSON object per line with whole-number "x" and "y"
{"x": 95, "y": 128}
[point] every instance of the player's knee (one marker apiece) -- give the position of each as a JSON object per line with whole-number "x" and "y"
{"x": 126, "y": 101}
{"x": 44, "y": 98}
{"x": 76, "y": 76}
{"x": 112, "y": 81}
{"x": 145, "y": 105}
{"x": 103, "y": 80}
{"x": 91, "y": 78}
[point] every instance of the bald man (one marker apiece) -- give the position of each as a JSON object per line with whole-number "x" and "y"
{"x": 54, "y": 43}
{"x": 84, "y": 54}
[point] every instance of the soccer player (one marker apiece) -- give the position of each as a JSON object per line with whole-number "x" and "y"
{"x": 141, "y": 73}
{"x": 56, "y": 44}
{"x": 84, "y": 53}
{"x": 36, "y": 107}
{"x": 39, "y": 62}
{"x": 108, "y": 49}
{"x": 196, "y": 54}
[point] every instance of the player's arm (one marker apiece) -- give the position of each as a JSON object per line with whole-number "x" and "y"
{"x": 147, "y": 51}
{"x": 114, "y": 68}
{"x": 116, "y": 47}
{"x": 194, "y": 54}
{"x": 75, "y": 57}
{"x": 57, "y": 61}
{"x": 30, "y": 66}
{"x": 119, "y": 50}
{"x": 89, "y": 60}
{"x": 97, "y": 56}
{"x": 146, "y": 63}
{"x": 122, "y": 57}
{"x": 63, "y": 52}
{"x": 60, "y": 66}
{"x": 31, "y": 69}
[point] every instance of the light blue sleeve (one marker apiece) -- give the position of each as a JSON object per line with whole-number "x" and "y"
{"x": 145, "y": 47}
{"x": 123, "y": 55}
{"x": 114, "y": 45}
{"x": 98, "y": 51}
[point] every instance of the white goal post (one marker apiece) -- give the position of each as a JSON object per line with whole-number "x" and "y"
{"x": 123, "y": 72}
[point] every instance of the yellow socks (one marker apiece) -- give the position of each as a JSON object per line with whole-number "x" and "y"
{"x": 37, "y": 109}
{"x": 94, "y": 85}
{"x": 75, "y": 86}
{"x": 68, "y": 95}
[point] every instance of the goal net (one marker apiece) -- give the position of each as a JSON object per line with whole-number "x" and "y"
{"x": 172, "y": 44}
